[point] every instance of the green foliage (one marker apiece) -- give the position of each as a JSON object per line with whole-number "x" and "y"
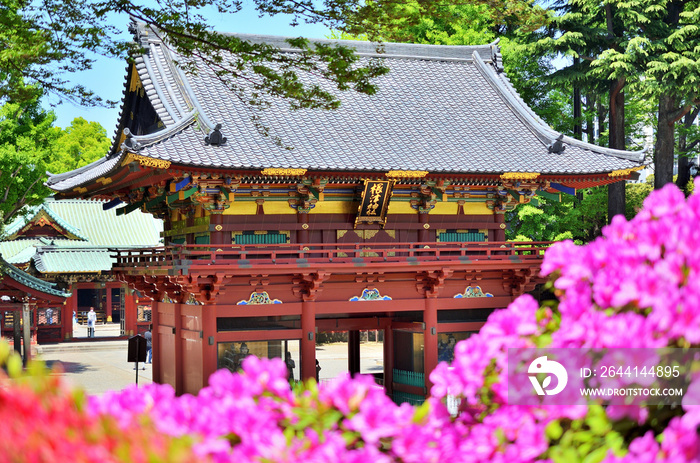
{"x": 588, "y": 440}
{"x": 26, "y": 147}
{"x": 648, "y": 47}
{"x": 78, "y": 145}
{"x": 44, "y": 40}
{"x": 635, "y": 194}
{"x": 580, "y": 220}
{"x": 30, "y": 146}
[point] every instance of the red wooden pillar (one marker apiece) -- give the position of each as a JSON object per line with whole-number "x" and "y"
{"x": 179, "y": 359}
{"x": 389, "y": 359}
{"x": 209, "y": 348}
{"x": 353, "y": 352}
{"x": 430, "y": 339}
{"x": 72, "y": 305}
{"x": 155, "y": 340}
{"x": 108, "y": 302}
{"x": 216, "y": 228}
{"x": 500, "y": 234}
{"x": 308, "y": 339}
{"x": 423, "y": 232}
{"x": 303, "y": 234}
{"x": 130, "y": 314}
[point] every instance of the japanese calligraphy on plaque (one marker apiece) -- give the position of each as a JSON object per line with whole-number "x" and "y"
{"x": 375, "y": 202}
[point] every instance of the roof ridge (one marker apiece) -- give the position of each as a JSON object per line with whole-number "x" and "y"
{"x": 155, "y": 137}
{"x": 147, "y": 35}
{"x": 539, "y": 128}
{"x": 32, "y": 212}
{"x": 380, "y": 49}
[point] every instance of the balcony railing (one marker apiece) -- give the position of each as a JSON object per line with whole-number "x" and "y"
{"x": 199, "y": 255}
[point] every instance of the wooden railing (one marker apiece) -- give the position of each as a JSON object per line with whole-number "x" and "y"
{"x": 197, "y": 255}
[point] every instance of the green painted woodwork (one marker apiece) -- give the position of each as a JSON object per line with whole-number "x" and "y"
{"x": 454, "y": 237}
{"x": 268, "y": 238}
{"x": 201, "y": 239}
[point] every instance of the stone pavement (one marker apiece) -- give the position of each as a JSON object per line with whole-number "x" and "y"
{"x": 100, "y": 365}
{"x": 96, "y": 365}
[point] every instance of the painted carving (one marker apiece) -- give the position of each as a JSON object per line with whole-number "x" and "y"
{"x": 259, "y": 298}
{"x": 370, "y": 295}
{"x": 473, "y": 291}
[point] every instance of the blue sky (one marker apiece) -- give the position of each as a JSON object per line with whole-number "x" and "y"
{"x": 108, "y": 74}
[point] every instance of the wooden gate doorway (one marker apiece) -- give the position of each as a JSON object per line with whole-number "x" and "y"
{"x": 357, "y": 344}
{"x": 352, "y": 351}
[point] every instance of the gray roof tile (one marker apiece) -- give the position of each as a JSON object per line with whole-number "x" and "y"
{"x": 440, "y": 109}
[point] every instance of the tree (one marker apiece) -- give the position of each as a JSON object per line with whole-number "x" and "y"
{"x": 688, "y": 141}
{"x": 30, "y": 146}
{"x": 586, "y": 30}
{"x": 579, "y": 218}
{"x": 660, "y": 45}
{"x": 43, "y": 40}
{"x": 26, "y": 147}
{"x": 78, "y": 145}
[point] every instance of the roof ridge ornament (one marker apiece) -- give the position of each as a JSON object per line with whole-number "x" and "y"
{"x": 496, "y": 57}
{"x": 130, "y": 142}
{"x": 557, "y": 146}
{"x": 140, "y": 32}
{"x": 215, "y": 138}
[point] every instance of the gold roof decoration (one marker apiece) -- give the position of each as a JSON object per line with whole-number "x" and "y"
{"x": 279, "y": 172}
{"x": 519, "y": 175}
{"x": 145, "y": 161}
{"x": 624, "y": 172}
{"x": 407, "y": 173}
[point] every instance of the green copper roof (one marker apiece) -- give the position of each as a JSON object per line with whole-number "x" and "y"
{"x": 72, "y": 260}
{"x": 26, "y": 279}
{"x": 98, "y": 230}
{"x": 33, "y": 212}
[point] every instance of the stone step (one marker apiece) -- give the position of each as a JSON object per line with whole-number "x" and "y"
{"x": 70, "y": 346}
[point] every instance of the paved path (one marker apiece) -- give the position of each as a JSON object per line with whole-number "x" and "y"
{"x": 100, "y": 366}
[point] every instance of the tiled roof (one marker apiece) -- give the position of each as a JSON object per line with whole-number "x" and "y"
{"x": 32, "y": 213}
{"x": 95, "y": 226}
{"x": 100, "y": 229}
{"x": 106, "y": 228}
{"x": 76, "y": 260}
{"x": 26, "y": 279}
{"x": 444, "y": 109}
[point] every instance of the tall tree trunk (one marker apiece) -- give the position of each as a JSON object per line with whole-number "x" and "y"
{"x": 683, "y": 161}
{"x": 663, "y": 149}
{"x": 590, "y": 127}
{"x": 616, "y": 191}
{"x": 578, "y": 121}
{"x": 602, "y": 112}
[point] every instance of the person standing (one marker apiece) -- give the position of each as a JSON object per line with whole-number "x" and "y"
{"x": 289, "y": 361}
{"x": 91, "y": 320}
{"x": 318, "y": 370}
{"x": 149, "y": 345}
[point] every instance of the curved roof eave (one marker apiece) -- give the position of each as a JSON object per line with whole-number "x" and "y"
{"x": 31, "y": 281}
{"x": 544, "y": 132}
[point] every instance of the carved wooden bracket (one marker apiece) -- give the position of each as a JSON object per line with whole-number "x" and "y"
{"x": 429, "y": 284}
{"x": 308, "y": 285}
{"x": 370, "y": 277}
{"x": 520, "y": 281}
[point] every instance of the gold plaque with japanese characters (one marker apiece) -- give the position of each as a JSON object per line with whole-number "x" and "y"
{"x": 375, "y": 202}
